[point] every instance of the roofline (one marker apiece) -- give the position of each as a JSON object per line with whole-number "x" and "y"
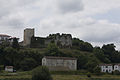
{"x": 5, "y": 35}
{"x": 54, "y": 57}
{"x": 105, "y": 64}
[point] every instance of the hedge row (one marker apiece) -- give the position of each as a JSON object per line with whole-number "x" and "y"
{"x": 81, "y": 72}
{"x": 16, "y": 79}
{"x": 105, "y": 78}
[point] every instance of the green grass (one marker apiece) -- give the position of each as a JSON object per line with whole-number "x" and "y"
{"x": 69, "y": 77}
{"x": 78, "y": 72}
{"x": 84, "y": 77}
{"x": 27, "y": 76}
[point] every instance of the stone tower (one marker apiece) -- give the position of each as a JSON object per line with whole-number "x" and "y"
{"x": 28, "y": 33}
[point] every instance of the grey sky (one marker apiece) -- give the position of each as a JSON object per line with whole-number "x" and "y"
{"x": 88, "y": 20}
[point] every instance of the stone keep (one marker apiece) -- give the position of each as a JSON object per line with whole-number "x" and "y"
{"x": 28, "y": 33}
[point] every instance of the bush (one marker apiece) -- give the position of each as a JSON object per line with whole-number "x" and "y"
{"x": 89, "y": 74}
{"x": 116, "y": 72}
{"x": 97, "y": 71}
{"x": 78, "y": 72}
{"x": 1, "y": 67}
{"x": 41, "y": 73}
{"x": 16, "y": 79}
{"x": 28, "y": 64}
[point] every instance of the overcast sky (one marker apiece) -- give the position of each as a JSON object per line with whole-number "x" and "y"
{"x": 95, "y": 21}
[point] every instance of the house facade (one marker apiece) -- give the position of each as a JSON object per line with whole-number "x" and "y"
{"x": 9, "y": 68}
{"x": 117, "y": 67}
{"x": 109, "y": 67}
{"x": 59, "y": 63}
{"x": 4, "y": 38}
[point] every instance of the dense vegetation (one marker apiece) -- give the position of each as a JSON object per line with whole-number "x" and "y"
{"x": 41, "y": 73}
{"x": 88, "y": 56}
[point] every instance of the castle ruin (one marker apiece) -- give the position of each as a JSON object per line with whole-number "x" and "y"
{"x": 62, "y": 41}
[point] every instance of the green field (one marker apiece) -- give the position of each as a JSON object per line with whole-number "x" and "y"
{"x": 27, "y": 76}
{"x": 62, "y": 77}
{"x": 84, "y": 77}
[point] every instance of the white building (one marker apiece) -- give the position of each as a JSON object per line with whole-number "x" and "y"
{"x": 60, "y": 63}
{"x": 3, "y": 38}
{"x": 117, "y": 67}
{"x": 106, "y": 68}
{"x": 109, "y": 67}
{"x": 6, "y": 39}
{"x": 9, "y": 68}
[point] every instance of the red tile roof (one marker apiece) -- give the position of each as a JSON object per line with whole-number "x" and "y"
{"x": 105, "y": 65}
{"x": 117, "y": 64}
{"x": 65, "y": 58}
{"x": 4, "y": 35}
{"x": 9, "y": 67}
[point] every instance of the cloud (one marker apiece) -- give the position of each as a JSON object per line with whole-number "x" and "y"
{"x": 64, "y": 16}
{"x": 87, "y": 29}
{"x": 67, "y": 6}
{"x": 102, "y": 31}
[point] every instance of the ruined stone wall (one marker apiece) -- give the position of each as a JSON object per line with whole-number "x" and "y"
{"x": 37, "y": 42}
{"x": 40, "y": 42}
{"x": 64, "y": 40}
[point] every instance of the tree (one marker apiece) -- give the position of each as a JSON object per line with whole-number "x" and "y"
{"x": 86, "y": 47}
{"x": 5, "y": 44}
{"x": 108, "y": 49}
{"x": 100, "y": 55}
{"x": 28, "y": 64}
{"x": 15, "y": 43}
{"x": 53, "y": 50}
{"x": 97, "y": 70}
{"x": 76, "y": 42}
{"x": 41, "y": 73}
{"x": 92, "y": 63}
{"x": 82, "y": 59}
{"x": 1, "y": 55}
{"x": 81, "y": 45}
{"x": 10, "y": 56}
{"x": 111, "y": 53}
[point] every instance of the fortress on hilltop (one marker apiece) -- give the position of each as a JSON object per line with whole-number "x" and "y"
{"x": 61, "y": 40}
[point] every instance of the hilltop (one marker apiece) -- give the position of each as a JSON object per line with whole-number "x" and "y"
{"x": 28, "y": 54}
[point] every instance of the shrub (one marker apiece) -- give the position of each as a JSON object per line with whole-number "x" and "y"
{"x": 89, "y": 74}
{"x": 78, "y": 72}
{"x": 97, "y": 71}
{"x": 28, "y": 64}
{"x": 1, "y": 67}
{"x": 41, "y": 73}
{"x": 16, "y": 79}
{"x": 116, "y": 72}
